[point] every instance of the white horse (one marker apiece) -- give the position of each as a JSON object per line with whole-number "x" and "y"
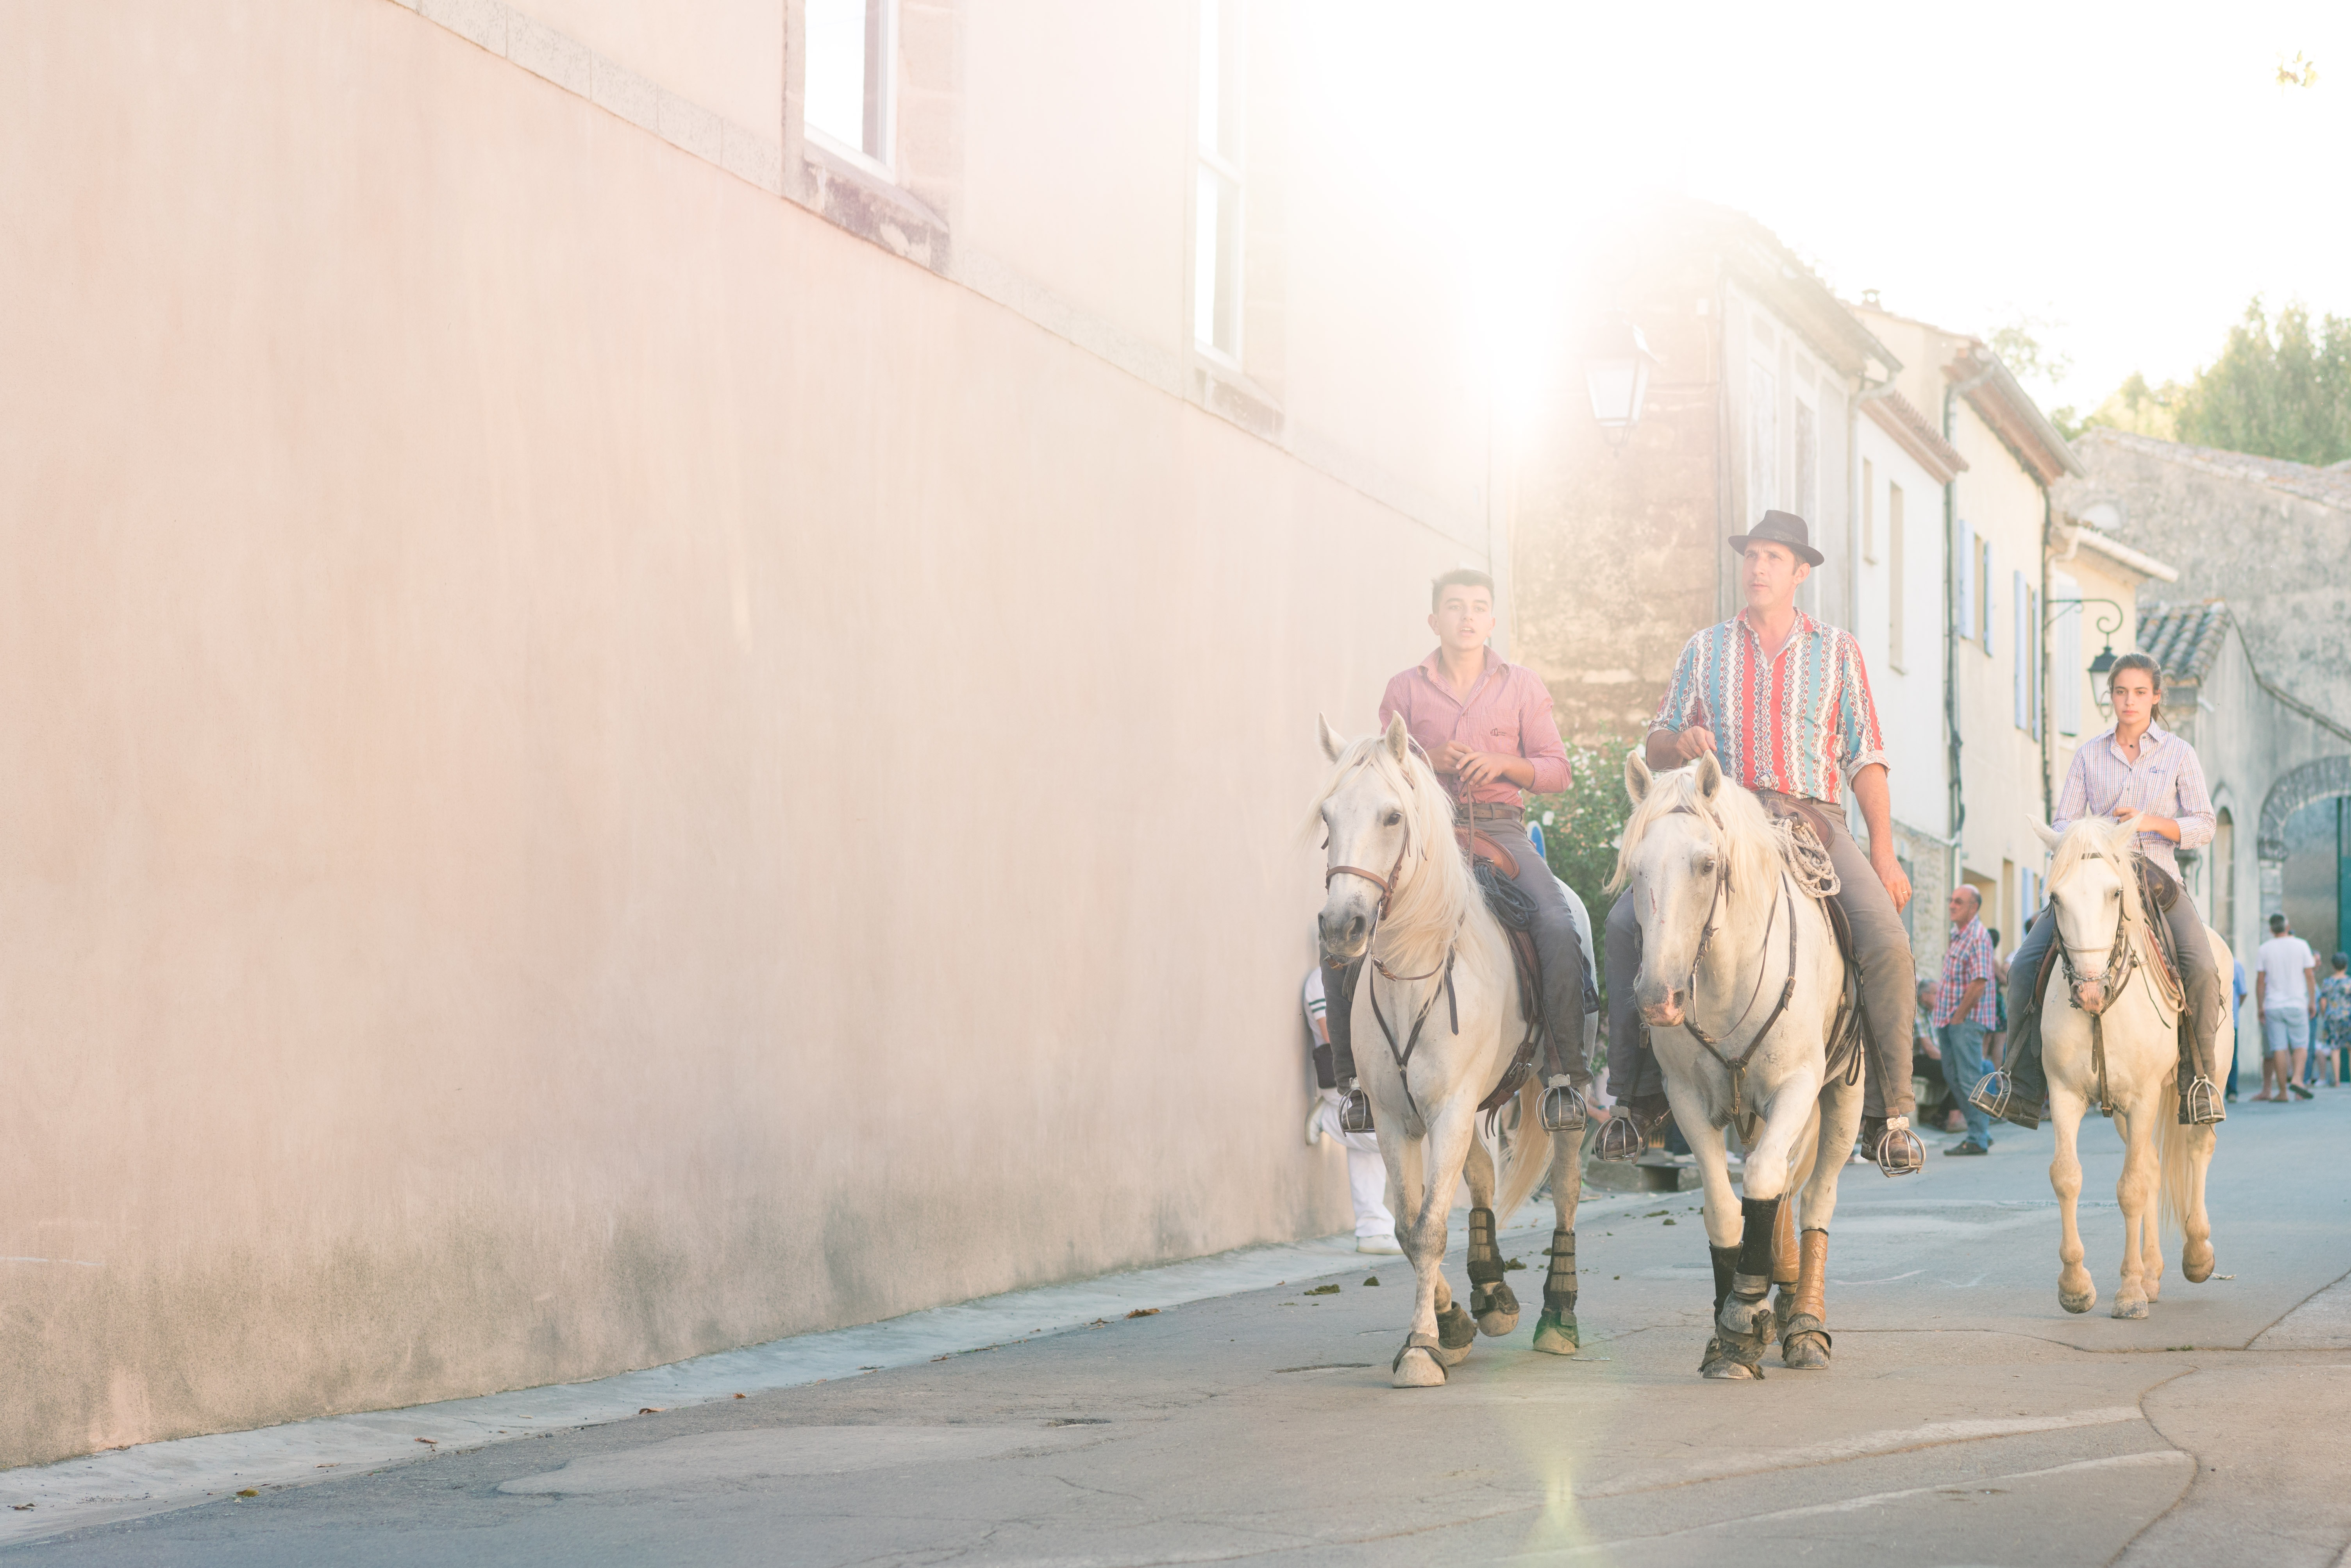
{"x": 2117, "y": 1045}
{"x": 1435, "y": 1023}
{"x": 1741, "y": 983}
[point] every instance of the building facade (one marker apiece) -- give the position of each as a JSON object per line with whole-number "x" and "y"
{"x": 664, "y": 663}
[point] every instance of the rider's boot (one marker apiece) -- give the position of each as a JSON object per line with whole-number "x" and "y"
{"x": 2015, "y": 1094}
{"x": 1892, "y": 1144}
{"x": 1338, "y": 1019}
{"x": 2199, "y": 1097}
{"x": 1626, "y": 1134}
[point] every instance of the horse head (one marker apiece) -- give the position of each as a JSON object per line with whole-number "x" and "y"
{"x": 1673, "y": 866}
{"x": 1368, "y": 818}
{"x": 2090, "y": 882}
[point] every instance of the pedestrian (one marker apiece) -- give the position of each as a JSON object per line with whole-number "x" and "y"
{"x": 2332, "y": 1020}
{"x": 1783, "y": 700}
{"x": 2237, "y": 987}
{"x": 1367, "y": 1173}
{"x": 1939, "y": 1108}
{"x": 1997, "y": 1039}
{"x": 1964, "y": 1011}
{"x": 2286, "y": 989}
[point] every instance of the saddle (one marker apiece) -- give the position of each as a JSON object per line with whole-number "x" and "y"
{"x": 1497, "y": 870}
{"x": 1845, "y": 1034}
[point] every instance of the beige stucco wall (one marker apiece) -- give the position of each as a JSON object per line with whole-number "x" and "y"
{"x": 598, "y": 769}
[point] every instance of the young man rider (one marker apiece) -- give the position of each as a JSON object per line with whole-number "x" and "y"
{"x": 1485, "y": 726}
{"x": 1784, "y": 702}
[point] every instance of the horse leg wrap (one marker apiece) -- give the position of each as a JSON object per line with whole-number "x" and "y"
{"x": 1488, "y": 1294}
{"x": 1760, "y": 1217}
{"x": 1726, "y": 1263}
{"x": 1559, "y": 1285}
{"x": 1804, "y": 1337}
{"x": 1730, "y": 1353}
{"x": 1339, "y": 1020}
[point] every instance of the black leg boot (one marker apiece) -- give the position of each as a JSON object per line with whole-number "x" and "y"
{"x": 1726, "y": 1265}
{"x": 1338, "y": 1019}
{"x": 1555, "y": 1330}
{"x": 1743, "y": 1324}
{"x": 1491, "y": 1301}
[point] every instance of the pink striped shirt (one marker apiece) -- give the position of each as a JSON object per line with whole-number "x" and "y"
{"x": 1799, "y": 722}
{"x": 1508, "y": 711}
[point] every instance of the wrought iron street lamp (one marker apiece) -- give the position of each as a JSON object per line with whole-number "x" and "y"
{"x": 1616, "y": 366}
{"x": 2110, "y": 620}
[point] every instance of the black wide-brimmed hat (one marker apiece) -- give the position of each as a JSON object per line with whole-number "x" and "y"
{"x": 1781, "y": 528}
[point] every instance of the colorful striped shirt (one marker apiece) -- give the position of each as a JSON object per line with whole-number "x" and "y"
{"x": 2167, "y": 781}
{"x": 1799, "y": 722}
{"x": 1969, "y": 957}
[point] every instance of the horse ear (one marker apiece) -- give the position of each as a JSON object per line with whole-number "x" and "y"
{"x": 1399, "y": 738}
{"x": 1637, "y": 777}
{"x": 1709, "y": 775}
{"x": 1332, "y": 741}
{"x": 2048, "y": 835}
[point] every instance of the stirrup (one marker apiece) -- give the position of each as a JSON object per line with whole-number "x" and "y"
{"x": 1355, "y": 1111}
{"x": 2200, "y": 1103}
{"x": 1562, "y": 1107}
{"x": 1993, "y": 1093}
{"x": 1623, "y": 1138}
{"x": 1899, "y": 1153}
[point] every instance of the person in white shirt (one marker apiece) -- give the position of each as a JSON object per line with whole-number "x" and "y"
{"x": 2286, "y": 990}
{"x": 1367, "y": 1173}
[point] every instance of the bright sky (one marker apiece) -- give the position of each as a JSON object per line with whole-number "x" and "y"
{"x": 2131, "y": 175}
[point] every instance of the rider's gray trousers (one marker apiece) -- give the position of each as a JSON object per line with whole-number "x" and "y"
{"x": 1889, "y": 994}
{"x": 1559, "y": 942}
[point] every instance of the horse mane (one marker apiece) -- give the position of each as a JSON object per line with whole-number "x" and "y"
{"x": 2099, "y": 838}
{"x": 1436, "y": 891}
{"x": 1755, "y": 849}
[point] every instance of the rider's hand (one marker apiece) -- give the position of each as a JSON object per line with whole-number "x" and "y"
{"x": 1889, "y": 871}
{"x": 1449, "y": 757}
{"x": 1693, "y": 743}
{"x": 1478, "y": 767}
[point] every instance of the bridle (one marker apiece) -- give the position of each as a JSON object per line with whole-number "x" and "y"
{"x": 1713, "y": 1044}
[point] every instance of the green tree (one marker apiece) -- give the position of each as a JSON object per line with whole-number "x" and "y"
{"x": 1581, "y": 825}
{"x": 2279, "y": 389}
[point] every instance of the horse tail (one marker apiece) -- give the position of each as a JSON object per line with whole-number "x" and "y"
{"x": 1528, "y": 1149}
{"x": 2179, "y": 1173}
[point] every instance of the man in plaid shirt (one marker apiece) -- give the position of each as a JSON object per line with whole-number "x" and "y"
{"x": 1964, "y": 1008}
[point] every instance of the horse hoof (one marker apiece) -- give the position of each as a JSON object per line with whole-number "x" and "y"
{"x": 1494, "y": 1325}
{"x": 1733, "y": 1360}
{"x": 2196, "y": 1262}
{"x": 2130, "y": 1308}
{"x": 1806, "y": 1352}
{"x": 1740, "y": 1319}
{"x": 1497, "y": 1308}
{"x": 1417, "y": 1368}
{"x": 1555, "y": 1335}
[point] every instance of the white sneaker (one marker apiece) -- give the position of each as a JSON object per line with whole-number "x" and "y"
{"x": 1314, "y": 1125}
{"x": 1385, "y": 1245}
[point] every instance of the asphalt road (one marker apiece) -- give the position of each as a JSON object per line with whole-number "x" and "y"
{"x": 1967, "y": 1419}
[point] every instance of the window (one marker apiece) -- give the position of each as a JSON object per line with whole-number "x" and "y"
{"x": 1216, "y": 224}
{"x": 2035, "y": 655}
{"x": 2068, "y": 655}
{"x": 850, "y": 45}
{"x": 2020, "y": 597}
{"x": 1894, "y": 587}
{"x": 1763, "y": 442}
{"x": 1963, "y": 575}
{"x": 1868, "y": 511}
{"x": 1984, "y": 592}
{"x": 1808, "y": 466}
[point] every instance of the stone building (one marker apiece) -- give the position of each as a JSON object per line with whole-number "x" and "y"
{"x": 2258, "y": 625}
{"x": 662, "y": 665}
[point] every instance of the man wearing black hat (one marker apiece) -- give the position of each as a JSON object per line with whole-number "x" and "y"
{"x": 1784, "y": 702}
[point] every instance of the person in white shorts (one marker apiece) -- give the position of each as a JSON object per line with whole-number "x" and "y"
{"x": 1367, "y": 1173}
{"x": 2287, "y": 992}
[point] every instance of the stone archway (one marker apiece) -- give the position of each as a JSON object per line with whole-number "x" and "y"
{"x": 2291, "y": 790}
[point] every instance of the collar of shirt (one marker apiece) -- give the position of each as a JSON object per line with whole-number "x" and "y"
{"x": 1432, "y": 669}
{"x": 2156, "y": 738}
{"x": 1804, "y": 627}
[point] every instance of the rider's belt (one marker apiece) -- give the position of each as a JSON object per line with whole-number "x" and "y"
{"x": 1814, "y": 812}
{"x": 1489, "y": 812}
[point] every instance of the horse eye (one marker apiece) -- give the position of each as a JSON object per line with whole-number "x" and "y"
{"x": 1393, "y": 818}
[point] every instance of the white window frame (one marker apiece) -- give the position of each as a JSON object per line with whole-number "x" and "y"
{"x": 1895, "y": 618}
{"x": 1220, "y": 184}
{"x": 1762, "y": 440}
{"x": 1804, "y": 443}
{"x": 878, "y": 141}
{"x": 1964, "y": 568}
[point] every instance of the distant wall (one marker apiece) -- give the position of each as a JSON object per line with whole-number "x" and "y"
{"x": 600, "y": 769}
